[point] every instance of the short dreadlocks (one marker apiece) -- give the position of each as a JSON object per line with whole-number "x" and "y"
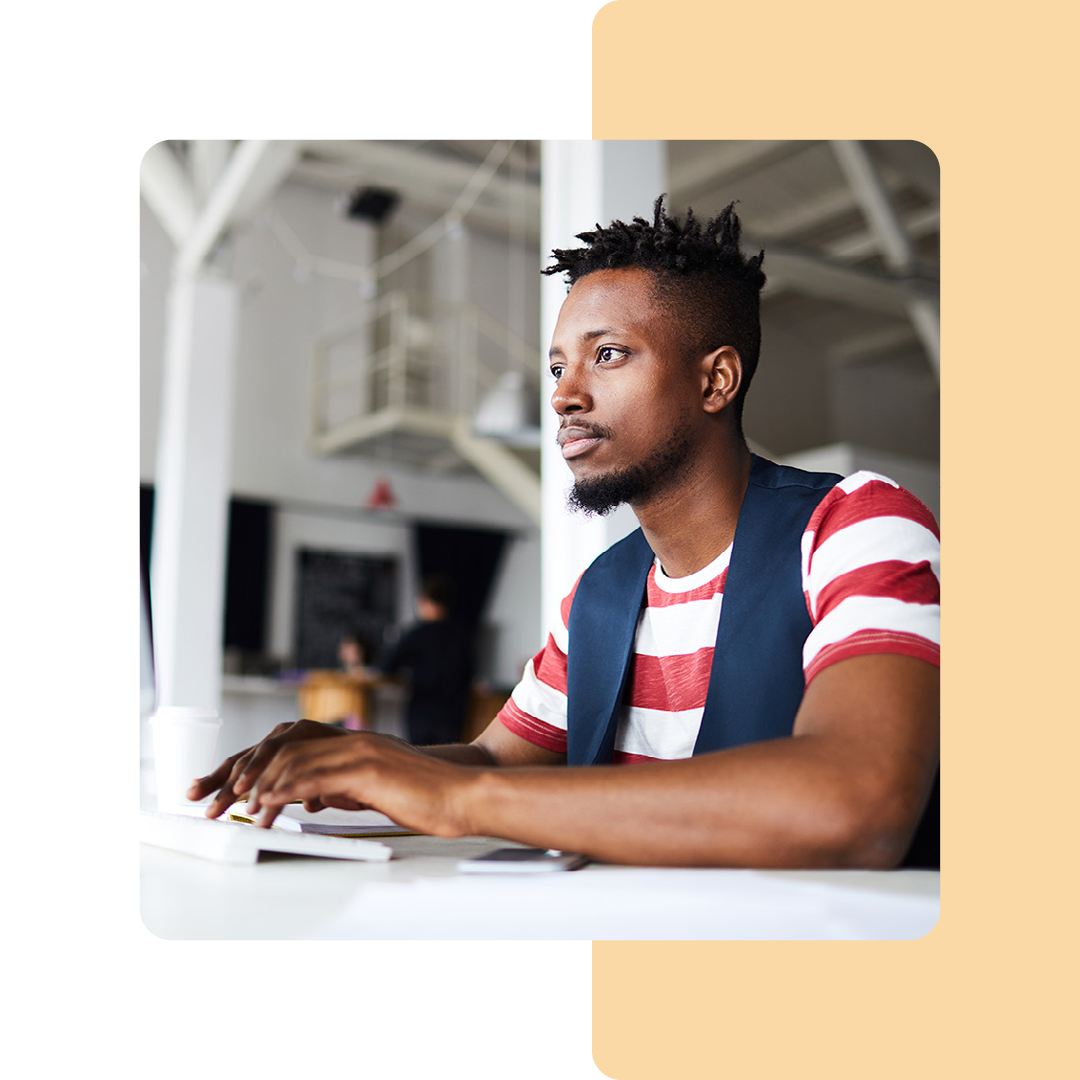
{"x": 701, "y": 276}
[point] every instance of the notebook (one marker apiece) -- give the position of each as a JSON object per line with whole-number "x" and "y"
{"x": 325, "y": 822}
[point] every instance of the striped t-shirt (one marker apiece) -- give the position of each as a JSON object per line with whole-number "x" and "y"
{"x": 870, "y": 571}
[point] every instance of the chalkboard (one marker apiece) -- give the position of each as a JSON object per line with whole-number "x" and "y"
{"x": 341, "y": 593}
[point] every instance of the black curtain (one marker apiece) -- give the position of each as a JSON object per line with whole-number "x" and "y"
{"x": 146, "y": 528}
{"x": 247, "y": 575}
{"x": 247, "y": 567}
{"x": 470, "y": 558}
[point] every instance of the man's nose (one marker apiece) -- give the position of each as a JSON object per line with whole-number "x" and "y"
{"x": 571, "y": 394}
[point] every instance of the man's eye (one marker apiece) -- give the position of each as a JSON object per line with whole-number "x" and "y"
{"x": 608, "y": 353}
{"x": 556, "y": 372}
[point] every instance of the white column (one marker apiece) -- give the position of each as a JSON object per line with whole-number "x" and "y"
{"x": 192, "y": 489}
{"x": 583, "y": 184}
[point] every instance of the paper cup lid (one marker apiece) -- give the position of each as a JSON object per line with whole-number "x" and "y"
{"x": 188, "y": 714}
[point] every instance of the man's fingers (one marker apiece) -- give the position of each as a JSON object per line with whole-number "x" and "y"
{"x": 306, "y": 786}
{"x": 221, "y": 801}
{"x": 283, "y": 735}
{"x": 302, "y": 770}
{"x": 228, "y": 793}
{"x": 236, "y": 774}
{"x": 342, "y": 802}
{"x": 203, "y": 785}
{"x": 219, "y": 780}
{"x": 246, "y": 765}
{"x": 250, "y": 770}
{"x": 268, "y": 815}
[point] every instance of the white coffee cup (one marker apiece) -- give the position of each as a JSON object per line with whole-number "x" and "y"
{"x": 185, "y": 742}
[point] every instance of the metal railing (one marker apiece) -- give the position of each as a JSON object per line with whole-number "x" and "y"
{"x": 409, "y": 351}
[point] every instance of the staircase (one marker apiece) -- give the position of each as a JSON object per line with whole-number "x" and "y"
{"x": 431, "y": 386}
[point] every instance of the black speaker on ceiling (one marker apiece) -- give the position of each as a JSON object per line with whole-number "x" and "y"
{"x": 370, "y": 204}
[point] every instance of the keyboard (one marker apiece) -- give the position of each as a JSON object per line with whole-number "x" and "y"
{"x": 231, "y": 842}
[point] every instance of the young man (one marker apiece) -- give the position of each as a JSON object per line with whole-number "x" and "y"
{"x": 800, "y": 730}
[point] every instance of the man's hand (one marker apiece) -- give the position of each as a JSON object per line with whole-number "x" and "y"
{"x": 360, "y": 771}
{"x": 238, "y": 773}
{"x": 365, "y": 770}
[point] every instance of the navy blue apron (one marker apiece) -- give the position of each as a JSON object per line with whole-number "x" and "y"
{"x": 756, "y": 683}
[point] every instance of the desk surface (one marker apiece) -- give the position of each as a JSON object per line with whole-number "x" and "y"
{"x": 420, "y": 895}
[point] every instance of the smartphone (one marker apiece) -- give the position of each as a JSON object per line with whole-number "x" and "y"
{"x": 515, "y": 860}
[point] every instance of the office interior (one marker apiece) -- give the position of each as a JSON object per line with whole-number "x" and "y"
{"x": 343, "y": 352}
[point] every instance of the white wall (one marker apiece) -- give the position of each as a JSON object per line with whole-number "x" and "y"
{"x": 293, "y": 531}
{"x": 921, "y": 478}
{"x": 280, "y": 315}
{"x": 504, "y": 281}
{"x": 514, "y": 611}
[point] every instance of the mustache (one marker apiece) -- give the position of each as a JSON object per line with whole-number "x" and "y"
{"x": 591, "y": 430}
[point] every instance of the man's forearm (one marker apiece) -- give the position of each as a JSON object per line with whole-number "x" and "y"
{"x": 496, "y": 747}
{"x": 847, "y": 789}
{"x": 462, "y": 754}
{"x": 787, "y": 803}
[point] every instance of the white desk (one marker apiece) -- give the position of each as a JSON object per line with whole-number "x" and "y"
{"x": 420, "y": 895}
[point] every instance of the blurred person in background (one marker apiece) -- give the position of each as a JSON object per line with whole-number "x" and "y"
{"x": 436, "y": 655}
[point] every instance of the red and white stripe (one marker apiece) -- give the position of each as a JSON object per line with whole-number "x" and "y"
{"x": 871, "y": 574}
{"x": 870, "y": 562}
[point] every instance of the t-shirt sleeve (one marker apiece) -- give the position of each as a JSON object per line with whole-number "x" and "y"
{"x": 536, "y": 710}
{"x": 871, "y": 559}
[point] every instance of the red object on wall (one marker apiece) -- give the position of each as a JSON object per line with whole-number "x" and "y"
{"x": 381, "y": 496}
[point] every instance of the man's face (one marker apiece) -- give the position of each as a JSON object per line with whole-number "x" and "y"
{"x": 626, "y": 396}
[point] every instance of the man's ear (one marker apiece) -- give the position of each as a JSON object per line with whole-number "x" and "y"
{"x": 721, "y": 377}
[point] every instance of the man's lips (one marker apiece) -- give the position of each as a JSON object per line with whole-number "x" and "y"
{"x": 575, "y": 447}
{"x": 576, "y": 441}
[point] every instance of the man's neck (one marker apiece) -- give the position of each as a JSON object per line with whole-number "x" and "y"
{"x": 690, "y": 523}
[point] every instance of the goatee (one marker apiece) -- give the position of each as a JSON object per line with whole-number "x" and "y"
{"x": 602, "y": 494}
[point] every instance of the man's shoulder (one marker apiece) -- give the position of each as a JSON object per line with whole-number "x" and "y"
{"x": 865, "y": 495}
{"x": 769, "y": 474}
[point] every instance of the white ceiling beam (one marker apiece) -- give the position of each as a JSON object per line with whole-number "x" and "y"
{"x": 276, "y": 160}
{"x": 523, "y": 157}
{"x": 338, "y": 177}
{"x": 254, "y": 171}
{"x": 808, "y": 213}
{"x": 873, "y": 198}
{"x": 167, "y": 190}
{"x": 888, "y": 230}
{"x": 809, "y": 273}
{"x": 726, "y": 162}
{"x": 860, "y": 245}
{"x": 926, "y": 318}
{"x": 915, "y": 160}
{"x": 812, "y": 213}
{"x": 428, "y": 179}
{"x": 208, "y": 159}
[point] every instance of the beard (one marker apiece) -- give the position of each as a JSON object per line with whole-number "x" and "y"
{"x": 601, "y": 494}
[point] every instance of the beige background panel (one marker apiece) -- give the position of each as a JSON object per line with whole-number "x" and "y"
{"x": 987, "y": 992}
